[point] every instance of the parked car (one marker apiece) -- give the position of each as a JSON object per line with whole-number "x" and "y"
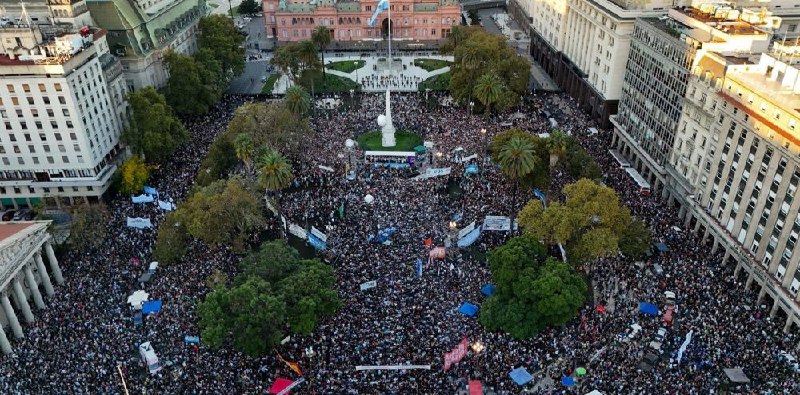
{"x": 8, "y": 215}
{"x": 25, "y": 214}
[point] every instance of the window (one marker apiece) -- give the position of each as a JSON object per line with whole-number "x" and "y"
{"x": 42, "y": 88}
{"x": 62, "y": 100}
{"x": 26, "y": 88}
{"x": 58, "y": 87}
{"x": 10, "y": 88}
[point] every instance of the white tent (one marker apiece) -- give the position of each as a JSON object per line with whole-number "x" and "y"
{"x": 137, "y": 298}
{"x": 595, "y": 392}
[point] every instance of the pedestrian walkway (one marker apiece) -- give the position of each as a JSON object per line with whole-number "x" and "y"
{"x": 374, "y": 76}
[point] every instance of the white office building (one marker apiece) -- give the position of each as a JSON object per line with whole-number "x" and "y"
{"x": 62, "y": 109}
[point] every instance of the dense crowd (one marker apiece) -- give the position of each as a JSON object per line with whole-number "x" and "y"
{"x": 76, "y": 344}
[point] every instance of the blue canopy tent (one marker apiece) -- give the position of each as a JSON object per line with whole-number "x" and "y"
{"x": 648, "y": 308}
{"x": 567, "y": 381}
{"x": 468, "y": 309}
{"x": 488, "y": 289}
{"x": 520, "y": 376}
{"x": 662, "y": 248}
{"x": 153, "y": 306}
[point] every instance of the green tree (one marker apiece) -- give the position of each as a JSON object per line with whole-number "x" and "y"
{"x": 478, "y": 53}
{"x": 297, "y": 100}
{"x": 589, "y": 223}
{"x": 170, "y": 246}
{"x": 245, "y": 149}
{"x": 155, "y": 132}
{"x": 134, "y": 175}
{"x": 249, "y": 7}
{"x": 635, "y": 239}
{"x": 191, "y": 89}
{"x": 219, "y": 35}
{"x": 270, "y": 125}
{"x": 286, "y": 59}
{"x": 540, "y": 176}
{"x": 557, "y": 144}
{"x": 220, "y": 160}
{"x": 224, "y": 212}
{"x": 297, "y": 60}
{"x": 490, "y": 91}
{"x": 276, "y": 291}
{"x": 321, "y": 37}
{"x": 87, "y": 230}
{"x": 274, "y": 175}
{"x": 533, "y": 291}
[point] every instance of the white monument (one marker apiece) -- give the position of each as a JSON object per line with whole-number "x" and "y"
{"x": 385, "y": 122}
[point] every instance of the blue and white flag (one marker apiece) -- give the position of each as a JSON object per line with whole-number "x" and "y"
{"x": 150, "y": 191}
{"x": 382, "y": 6}
{"x": 142, "y": 199}
{"x": 168, "y": 206}
{"x": 538, "y": 193}
{"x": 419, "y": 267}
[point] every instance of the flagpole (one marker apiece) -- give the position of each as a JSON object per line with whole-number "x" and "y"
{"x": 390, "y": 40}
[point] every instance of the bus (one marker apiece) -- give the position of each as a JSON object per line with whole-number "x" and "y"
{"x": 644, "y": 186}
{"x": 623, "y": 163}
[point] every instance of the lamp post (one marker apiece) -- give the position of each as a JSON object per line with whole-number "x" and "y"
{"x": 471, "y": 104}
{"x": 349, "y": 144}
{"x": 439, "y": 157}
{"x": 485, "y": 147}
{"x": 453, "y": 235}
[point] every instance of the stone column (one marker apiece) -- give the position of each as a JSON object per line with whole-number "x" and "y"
{"x": 715, "y": 247}
{"x": 48, "y": 286}
{"x": 5, "y": 346}
{"x": 51, "y": 256}
{"x": 726, "y": 258}
{"x": 37, "y": 296}
{"x": 738, "y": 266}
{"x": 786, "y": 327}
{"x": 761, "y": 294}
{"x": 22, "y": 301}
{"x": 13, "y": 322}
{"x": 749, "y": 283}
{"x": 774, "y": 310}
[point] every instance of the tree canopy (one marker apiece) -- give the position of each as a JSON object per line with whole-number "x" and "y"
{"x": 533, "y": 291}
{"x": 134, "y": 175}
{"x": 171, "y": 241}
{"x": 270, "y": 126}
{"x": 224, "y": 212}
{"x": 219, "y": 35}
{"x": 87, "y": 230}
{"x": 193, "y": 87}
{"x": 486, "y": 68}
{"x": 277, "y": 293}
{"x": 154, "y": 131}
{"x": 294, "y": 59}
{"x": 635, "y": 239}
{"x": 589, "y": 223}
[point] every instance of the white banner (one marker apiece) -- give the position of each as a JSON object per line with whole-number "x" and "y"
{"x": 469, "y": 158}
{"x": 466, "y": 230}
{"x": 326, "y": 168}
{"x": 496, "y": 222}
{"x": 431, "y": 172}
{"x": 142, "y": 199}
{"x": 139, "y": 223}
{"x": 319, "y": 234}
{"x": 369, "y": 284}
{"x": 392, "y": 367}
{"x": 297, "y": 231}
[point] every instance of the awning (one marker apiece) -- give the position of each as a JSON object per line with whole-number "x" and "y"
{"x": 736, "y": 375}
{"x": 468, "y": 309}
{"x": 648, "y": 308}
{"x": 520, "y": 376}
{"x": 475, "y": 387}
{"x": 488, "y": 289}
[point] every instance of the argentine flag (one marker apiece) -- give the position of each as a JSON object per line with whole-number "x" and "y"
{"x": 382, "y": 5}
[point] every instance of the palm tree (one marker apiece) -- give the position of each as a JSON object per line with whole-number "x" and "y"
{"x": 321, "y": 37}
{"x": 556, "y": 146}
{"x": 490, "y": 90}
{"x": 274, "y": 175}
{"x": 243, "y": 144}
{"x": 470, "y": 56}
{"x": 517, "y": 159}
{"x": 307, "y": 53}
{"x": 297, "y": 100}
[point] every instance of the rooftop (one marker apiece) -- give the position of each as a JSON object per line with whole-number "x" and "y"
{"x": 8, "y": 229}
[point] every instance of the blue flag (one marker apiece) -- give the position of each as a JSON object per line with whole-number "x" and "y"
{"x": 419, "y": 267}
{"x": 380, "y": 7}
{"x": 538, "y": 193}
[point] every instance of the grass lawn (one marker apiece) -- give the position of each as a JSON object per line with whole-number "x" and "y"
{"x": 332, "y": 83}
{"x": 346, "y": 66}
{"x": 406, "y": 141}
{"x": 439, "y": 82}
{"x": 431, "y": 64}
{"x": 270, "y": 84}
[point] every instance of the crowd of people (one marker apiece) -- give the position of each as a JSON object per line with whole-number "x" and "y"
{"x": 398, "y": 81}
{"x": 87, "y": 331}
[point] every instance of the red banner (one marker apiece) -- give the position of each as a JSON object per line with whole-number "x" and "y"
{"x": 456, "y": 355}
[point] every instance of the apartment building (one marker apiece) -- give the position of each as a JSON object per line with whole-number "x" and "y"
{"x": 140, "y": 31}
{"x": 62, "y": 109}
{"x": 663, "y": 53}
{"x": 45, "y": 12}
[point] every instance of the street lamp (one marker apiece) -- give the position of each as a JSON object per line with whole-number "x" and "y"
{"x": 485, "y": 145}
{"x": 349, "y": 144}
{"x": 453, "y": 235}
{"x": 471, "y": 104}
{"x": 439, "y": 157}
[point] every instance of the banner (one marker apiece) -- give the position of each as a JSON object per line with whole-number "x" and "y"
{"x": 432, "y": 172}
{"x": 392, "y": 367}
{"x": 142, "y": 199}
{"x": 419, "y": 267}
{"x": 495, "y": 222}
{"x": 438, "y": 252}
{"x": 166, "y": 205}
{"x": 298, "y": 231}
{"x": 685, "y": 344}
{"x": 326, "y": 168}
{"x": 471, "y": 169}
{"x": 139, "y": 223}
{"x": 322, "y": 236}
{"x": 150, "y": 191}
{"x": 456, "y": 355}
{"x": 369, "y": 284}
{"x": 469, "y": 238}
{"x": 467, "y": 229}
{"x": 469, "y": 158}
{"x": 316, "y": 242}
{"x": 292, "y": 385}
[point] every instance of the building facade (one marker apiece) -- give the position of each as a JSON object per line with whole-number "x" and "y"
{"x": 583, "y": 45}
{"x": 24, "y": 277}
{"x": 62, "y": 109}
{"x": 45, "y": 12}
{"x": 140, "y": 31}
{"x": 348, "y": 21}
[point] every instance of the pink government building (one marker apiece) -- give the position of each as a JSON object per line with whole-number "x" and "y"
{"x": 413, "y": 20}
